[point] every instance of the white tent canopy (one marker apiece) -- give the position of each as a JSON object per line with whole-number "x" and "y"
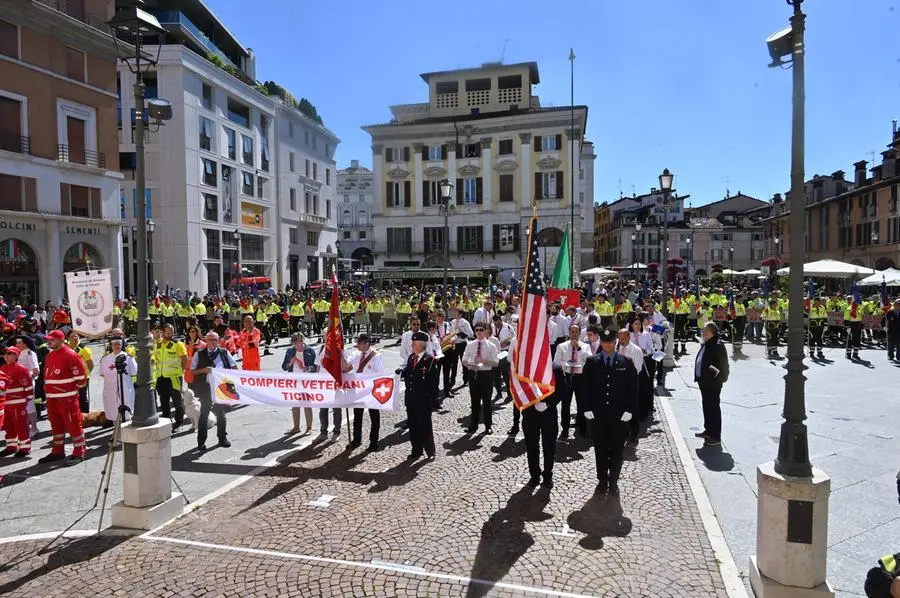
{"x": 598, "y": 271}
{"x": 831, "y": 269}
{"x": 750, "y": 272}
{"x": 890, "y": 276}
{"x": 729, "y": 271}
{"x": 636, "y": 266}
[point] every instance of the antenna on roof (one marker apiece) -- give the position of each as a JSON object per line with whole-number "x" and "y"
{"x": 727, "y": 191}
{"x": 620, "y": 188}
{"x": 503, "y": 50}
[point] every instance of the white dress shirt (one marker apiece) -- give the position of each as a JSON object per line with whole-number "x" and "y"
{"x": 564, "y": 356}
{"x": 481, "y": 351}
{"x": 482, "y": 315}
{"x": 375, "y": 363}
{"x": 504, "y": 336}
{"x": 406, "y": 345}
{"x": 634, "y": 353}
{"x": 643, "y": 340}
{"x": 458, "y": 325}
{"x": 29, "y": 359}
{"x": 433, "y": 347}
{"x": 562, "y": 326}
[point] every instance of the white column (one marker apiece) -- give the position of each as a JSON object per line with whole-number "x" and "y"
{"x": 574, "y": 136}
{"x": 53, "y": 279}
{"x": 378, "y": 189}
{"x": 487, "y": 174}
{"x": 525, "y": 170}
{"x": 451, "y": 163}
{"x": 417, "y": 181}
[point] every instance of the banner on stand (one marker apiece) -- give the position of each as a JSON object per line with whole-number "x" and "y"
{"x": 281, "y": 389}
{"x": 90, "y": 301}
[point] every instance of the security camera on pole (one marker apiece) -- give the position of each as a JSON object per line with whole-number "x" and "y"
{"x": 147, "y": 452}
{"x": 792, "y": 511}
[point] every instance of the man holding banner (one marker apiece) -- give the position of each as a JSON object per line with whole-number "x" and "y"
{"x": 201, "y": 365}
{"x": 365, "y": 359}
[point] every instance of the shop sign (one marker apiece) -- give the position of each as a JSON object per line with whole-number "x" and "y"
{"x": 16, "y": 225}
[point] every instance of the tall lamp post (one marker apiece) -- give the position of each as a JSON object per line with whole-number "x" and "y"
{"x": 665, "y": 184}
{"x": 731, "y": 268}
{"x": 792, "y": 515}
{"x": 147, "y": 498}
{"x": 874, "y": 242}
{"x": 688, "y": 242}
{"x": 633, "y": 241}
{"x": 446, "y": 188}
{"x": 240, "y": 256}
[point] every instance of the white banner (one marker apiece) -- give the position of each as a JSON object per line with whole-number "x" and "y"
{"x": 90, "y": 301}
{"x": 281, "y": 389}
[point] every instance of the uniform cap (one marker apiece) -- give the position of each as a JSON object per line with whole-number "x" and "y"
{"x": 57, "y": 335}
{"x": 364, "y": 338}
{"x": 607, "y": 336}
{"x": 420, "y": 336}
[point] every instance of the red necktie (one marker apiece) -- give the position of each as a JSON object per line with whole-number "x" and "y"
{"x": 573, "y": 353}
{"x": 478, "y": 351}
{"x": 415, "y": 359}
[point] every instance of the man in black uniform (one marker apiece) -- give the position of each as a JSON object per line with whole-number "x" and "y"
{"x": 610, "y": 406}
{"x": 540, "y": 426}
{"x": 421, "y": 376}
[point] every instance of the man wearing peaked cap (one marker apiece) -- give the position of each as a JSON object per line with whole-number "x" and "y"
{"x": 420, "y": 373}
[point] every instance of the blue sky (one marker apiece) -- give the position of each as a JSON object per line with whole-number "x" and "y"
{"x": 682, "y": 84}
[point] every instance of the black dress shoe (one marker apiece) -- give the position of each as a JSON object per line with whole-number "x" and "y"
{"x": 201, "y": 448}
{"x": 534, "y": 481}
{"x": 73, "y": 460}
{"x": 414, "y": 456}
{"x": 7, "y": 451}
{"x": 547, "y": 483}
{"x": 703, "y": 434}
{"x": 373, "y": 448}
{"x": 51, "y": 458}
{"x": 355, "y": 444}
{"x": 22, "y": 454}
{"x": 614, "y": 489}
{"x": 471, "y": 430}
{"x": 514, "y": 431}
{"x": 602, "y": 487}
{"x": 224, "y": 443}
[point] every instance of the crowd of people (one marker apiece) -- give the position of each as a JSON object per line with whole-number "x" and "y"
{"x": 606, "y": 354}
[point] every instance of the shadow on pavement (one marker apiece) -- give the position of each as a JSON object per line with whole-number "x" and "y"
{"x": 462, "y": 445}
{"x": 504, "y": 539}
{"x": 69, "y": 552}
{"x": 600, "y": 517}
{"x": 508, "y": 449}
{"x": 258, "y": 452}
{"x": 715, "y": 458}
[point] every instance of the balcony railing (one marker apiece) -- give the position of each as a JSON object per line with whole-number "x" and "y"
{"x": 15, "y": 143}
{"x": 76, "y": 10}
{"x": 65, "y": 153}
{"x": 313, "y": 219}
{"x": 437, "y": 248}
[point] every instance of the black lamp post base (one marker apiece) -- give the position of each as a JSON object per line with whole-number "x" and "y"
{"x": 793, "y": 451}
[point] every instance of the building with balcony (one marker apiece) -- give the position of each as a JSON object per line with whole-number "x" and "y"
{"x": 59, "y": 180}
{"x": 355, "y": 205}
{"x": 858, "y": 222}
{"x": 234, "y": 165}
{"x": 485, "y": 131}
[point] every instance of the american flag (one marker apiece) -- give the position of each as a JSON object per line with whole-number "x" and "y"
{"x": 532, "y": 372}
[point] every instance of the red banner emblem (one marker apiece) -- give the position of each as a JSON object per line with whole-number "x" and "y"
{"x": 383, "y": 389}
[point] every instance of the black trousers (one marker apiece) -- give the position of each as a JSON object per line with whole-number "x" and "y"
{"x": 375, "y": 322}
{"x": 816, "y": 333}
{"x": 480, "y": 391}
{"x": 568, "y": 388}
{"x": 738, "y": 326}
{"x": 540, "y": 429}
{"x": 460, "y": 349}
{"x": 501, "y": 376}
{"x": 712, "y": 409}
{"x": 206, "y": 405}
{"x": 84, "y": 401}
{"x": 421, "y": 434}
{"x": 295, "y": 323}
{"x": 167, "y": 392}
{"x": 854, "y": 334}
{"x": 681, "y": 328}
{"x": 645, "y": 390}
{"x": 773, "y": 330}
{"x": 389, "y": 325}
{"x": 609, "y": 440}
{"x": 374, "y": 418}
{"x": 893, "y": 345}
{"x": 448, "y": 369}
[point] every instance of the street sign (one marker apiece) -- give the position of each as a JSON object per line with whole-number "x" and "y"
{"x": 764, "y": 270}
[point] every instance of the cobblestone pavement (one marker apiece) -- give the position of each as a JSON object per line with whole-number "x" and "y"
{"x": 334, "y": 522}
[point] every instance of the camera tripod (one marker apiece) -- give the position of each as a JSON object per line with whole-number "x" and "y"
{"x": 112, "y": 447}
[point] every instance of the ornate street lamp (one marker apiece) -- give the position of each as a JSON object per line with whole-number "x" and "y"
{"x": 665, "y": 185}
{"x": 446, "y": 188}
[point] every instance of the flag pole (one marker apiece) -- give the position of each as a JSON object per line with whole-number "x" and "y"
{"x": 341, "y": 324}
{"x": 572, "y": 161}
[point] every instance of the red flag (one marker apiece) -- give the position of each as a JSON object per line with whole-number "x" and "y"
{"x": 334, "y": 338}
{"x": 531, "y": 379}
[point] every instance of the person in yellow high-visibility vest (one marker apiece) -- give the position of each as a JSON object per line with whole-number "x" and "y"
{"x": 771, "y": 315}
{"x": 853, "y": 321}
{"x": 375, "y": 308}
{"x": 296, "y": 313}
{"x": 818, "y": 316}
{"x": 262, "y": 323}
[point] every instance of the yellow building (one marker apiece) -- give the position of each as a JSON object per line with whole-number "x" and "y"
{"x": 484, "y": 131}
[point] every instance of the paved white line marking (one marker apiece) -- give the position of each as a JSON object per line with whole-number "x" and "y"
{"x": 73, "y": 533}
{"x": 404, "y": 566}
{"x": 323, "y": 501}
{"x": 734, "y": 585}
{"x": 402, "y": 569}
{"x": 567, "y": 532}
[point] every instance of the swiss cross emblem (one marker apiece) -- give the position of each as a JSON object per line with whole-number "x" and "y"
{"x": 383, "y": 389}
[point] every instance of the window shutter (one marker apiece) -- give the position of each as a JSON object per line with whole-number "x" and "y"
{"x": 388, "y": 195}
{"x": 459, "y": 192}
{"x": 479, "y": 190}
{"x": 496, "y": 238}
{"x": 537, "y": 186}
{"x": 516, "y": 237}
{"x": 406, "y": 153}
{"x": 537, "y": 143}
{"x": 479, "y": 239}
{"x": 444, "y": 152}
{"x": 559, "y": 184}
{"x": 388, "y": 155}
{"x": 425, "y": 199}
{"x": 558, "y": 142}
{"x": 424, "y": 152}
{"x": 96, "y": 204}
{"x": 459, "y": 240}
{"x": 65, "y": 199}
{"x": 406, "y": 193}
{"x": 459, "y": 152}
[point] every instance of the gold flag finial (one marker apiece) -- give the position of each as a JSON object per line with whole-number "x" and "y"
{"x": 534, "y": 209}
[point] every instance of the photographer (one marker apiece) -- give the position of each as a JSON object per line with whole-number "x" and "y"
{"x": 113, "y": 365}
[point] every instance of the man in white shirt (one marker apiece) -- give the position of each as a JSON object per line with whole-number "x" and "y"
{"x": 480, "y": 358}
{"x": 443, "y": 328}
{"x": 570, "y": 357}
{"x": 365, "y": 359}
{"x": 336, "y": 413}
{"x": 630, "y": 350}
{"x": 504, "y": 334}
{"x": 592, "y": 339}
{"x": 406, "y": 340}
{"x": 484, "y": 314}
{"x": 561, "y": 323}
{"x": 463, "y": 331}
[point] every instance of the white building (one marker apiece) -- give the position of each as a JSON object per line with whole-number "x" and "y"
{"x": 484, "y": 130}
{"x": 233, "y": 163}
{"x": 355, "y": 195}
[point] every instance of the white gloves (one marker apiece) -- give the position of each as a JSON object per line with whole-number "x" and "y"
{"x": 626, "y": 417}
{"x": 588, "y": 415}
{"x": 540, "y": 407}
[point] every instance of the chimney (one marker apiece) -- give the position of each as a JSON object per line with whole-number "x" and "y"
{"x": 859, "y": 176}
{"x": 888, "y": 164}
{"x": 838, "y": 175}
{"x": 776, "y": 199}
{"x": 354, "y": 164}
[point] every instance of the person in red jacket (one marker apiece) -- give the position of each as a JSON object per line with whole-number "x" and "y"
{"x": 248, "y": 341}
{"x": 19, "y": 390}
{"x": 63, "y": 375}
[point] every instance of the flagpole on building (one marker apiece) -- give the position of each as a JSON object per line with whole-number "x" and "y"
{"x": 572, "y": 161}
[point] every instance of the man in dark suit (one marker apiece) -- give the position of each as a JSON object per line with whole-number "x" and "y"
{"x": 710, "y": 373}
{"x": 540, "y": 425}
{"x": 421, "y": 377}
{"x": 611, "y": 404}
